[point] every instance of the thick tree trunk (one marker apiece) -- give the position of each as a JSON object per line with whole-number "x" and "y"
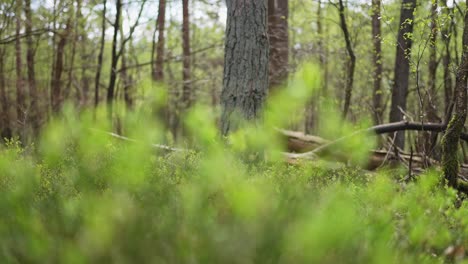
{"x": 100, "y": 56}
{"x": 450, "y": 140}
{"x": 34, "y": 116}
{"x": 20, "y": 92}
{"x": 115, "y": 59}
{"x": 377, "y": 61}
{"x": 246, "y": 58}
{"x": 186, "y": 76}
{"x": 278, "y": 14}
{"x": 158, "y": 74}
{"x": 402, "y": 67}
{"x": 351, "y": 64}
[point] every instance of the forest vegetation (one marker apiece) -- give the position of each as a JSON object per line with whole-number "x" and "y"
{"x": 233, "y": 131}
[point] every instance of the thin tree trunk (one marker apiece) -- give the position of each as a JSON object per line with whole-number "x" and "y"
{"x": 83, "y": 41}
{"x": 158, "y": 74}
{"x": 115, "y": 59}
{"x": 278, "y": 14}
{"x": 34, "y": 115}
{"x": 312, "y": 106}
{"x": 186, "y": 76}
{"x": 246, "y": 58}
{"x": 429, "y": 139}
{"x": 450, "y": 140}
{"x": 56, "y": 84}
{"x": 377, "y": 61}
{"x": 5, "y": 125}
{"x": 351, "y": 63}
{"x": 126, "y": 79}
{"x": 402, "y": 67}
{"x": 20, "y": 91}
{"x": 74, "y": 39}
{"x": 448, "y": 83}
{"x": 100, "y": 55}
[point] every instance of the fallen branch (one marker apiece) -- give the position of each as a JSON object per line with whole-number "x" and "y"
{"x": 416, "y": 126}
{"x": 158, "y": 146}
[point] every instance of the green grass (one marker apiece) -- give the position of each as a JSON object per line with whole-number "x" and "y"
{"x": 81, "y": 196}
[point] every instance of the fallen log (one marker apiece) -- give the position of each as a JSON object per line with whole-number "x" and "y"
{"x": 302, "y": 147}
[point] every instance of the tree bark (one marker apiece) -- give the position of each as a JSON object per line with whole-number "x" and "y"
{"x": 377, "y": 61}
{"x": 246, "y": 58}
{"x": 100, "y": 55}
{"x": 56, "y": 85}
{"x": 446, "y": 37}
{"x": 278, "y": 14}
{"x": 450, "y": 140}
{"x": 21, "y": 107}
{"x": 74, "y": 40}
{"x": 402, "y": 67}
{"x": 125, "y": 77}
{"x": 429, "y": 139}
{"x": 115, "y": 59}
{"x": 158, "y": 74}
{"x": 186, "y": 76}
{"x": 351, "y": 64}
{"x": 311, "y": 120}
{"x": 84, "y": 44}
{"x": 34, "y": 116}
{"x": 5, "y": 125}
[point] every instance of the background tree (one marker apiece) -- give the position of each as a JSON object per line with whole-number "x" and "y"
{"x": 278, "y": 33}
{"x": 21, "y": 108}
{"x": 351, "y": 63}
{"x": 377, "y": 61}
{"x": 100, "y": 55}
{"x": 158, "y": 74}
{"x": 402, "y": 67}
{"x": 186, "y": 71}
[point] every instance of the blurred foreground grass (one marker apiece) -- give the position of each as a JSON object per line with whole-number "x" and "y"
{"x": 81, "y": 196}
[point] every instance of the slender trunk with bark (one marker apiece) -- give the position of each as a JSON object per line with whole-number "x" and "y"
{"x": 450, "y": 140}
{"x": 377, "y": 61}
{"x": 84, "y": 56}
{"x": 311, "y": 120}
{"x": 402, "y": 67}
{"x": 115, "y": 59}
{"x": 448, "y": 82}
{"x": 351, "y": 63}
{"x": 158, "y": 74}
{"x": 34, "y": 115}
{"x": 74, "y": 40}
{"x": 125, "y": 77}
{"x": 5, "y": 125}
{"x": 100, "y": 56}
{"x": 20, "y": 91}
{"x": 278, "y": 13}
{"x": 246, "y": 58}
{"x": 429, "y": 139}
{"x": 186, "y": 76}
{"x": 56, "y": 81}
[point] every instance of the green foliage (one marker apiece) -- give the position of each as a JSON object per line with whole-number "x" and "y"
{"x": 85, "y": 197}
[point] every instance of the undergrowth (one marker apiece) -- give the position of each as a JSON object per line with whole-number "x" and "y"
{"x": 82, "y": 196}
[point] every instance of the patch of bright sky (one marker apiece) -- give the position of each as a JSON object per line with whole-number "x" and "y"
{"x": 198, "y": 10}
